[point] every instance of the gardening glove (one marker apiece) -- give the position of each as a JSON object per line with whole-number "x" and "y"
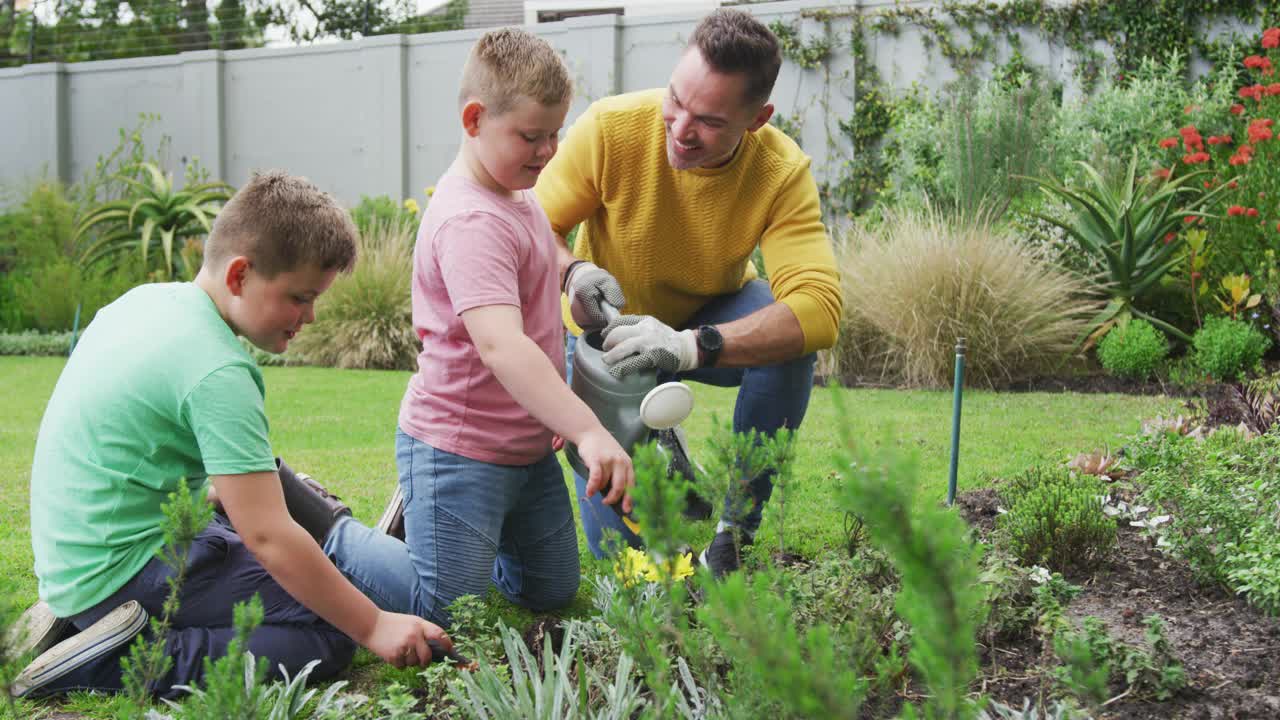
{"x": 588, "y": 285}
{"x": 633, "y": 343}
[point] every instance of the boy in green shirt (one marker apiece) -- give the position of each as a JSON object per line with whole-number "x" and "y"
{"x": 160, "y": 389}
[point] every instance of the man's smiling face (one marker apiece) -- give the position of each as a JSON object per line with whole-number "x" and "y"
{"x": 706, "y": 114}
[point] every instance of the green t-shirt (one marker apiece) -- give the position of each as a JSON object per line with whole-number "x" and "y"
{"x": 158, "y": 389}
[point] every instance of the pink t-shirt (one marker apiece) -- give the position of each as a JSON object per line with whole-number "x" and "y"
{"x": 477, "y": 248}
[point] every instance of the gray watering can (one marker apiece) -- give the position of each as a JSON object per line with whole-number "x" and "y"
{"x": 631, "y": 407}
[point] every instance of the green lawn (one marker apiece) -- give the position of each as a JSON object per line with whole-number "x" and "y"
{"x": 338, "y": 425}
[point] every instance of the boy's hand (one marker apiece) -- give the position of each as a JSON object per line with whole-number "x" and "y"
{"x": 557, "y": 443}
{"x": 610, "y": 467}
{"x": 402, "y": 639}
{"x": 588, "y": 285}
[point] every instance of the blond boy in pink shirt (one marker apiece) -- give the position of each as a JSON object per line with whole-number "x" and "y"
{"x": 484, "y": 497}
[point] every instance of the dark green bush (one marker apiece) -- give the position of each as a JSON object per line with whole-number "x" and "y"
{"x": 1227, "y": 348}
{"x": 1055, "y": 519}
{"x": 1133, "y": 350}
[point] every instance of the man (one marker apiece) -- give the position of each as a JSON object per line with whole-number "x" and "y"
{"x": 675, "y": 189}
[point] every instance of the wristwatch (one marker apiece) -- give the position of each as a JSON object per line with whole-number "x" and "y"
{"x": 710, "y": 343}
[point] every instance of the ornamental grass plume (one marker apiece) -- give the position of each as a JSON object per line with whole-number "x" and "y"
{"x": 365, "y": 320}
{"x": 921, "y": 280}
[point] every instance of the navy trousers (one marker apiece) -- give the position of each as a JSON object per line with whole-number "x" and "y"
{"x": 220, "y": 573}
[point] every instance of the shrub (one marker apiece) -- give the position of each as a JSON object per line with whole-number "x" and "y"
{"x": 921, "y": 281}
{"x": 365, "y": 320}
{"x": 48, "y": 296}
{"x": 35, "y": 343}
{"x": 1226, "y": 348}
{"x": 1055, "y": 519}
{"x": 381, "y": 210}
{"x": 1133, "y": 350}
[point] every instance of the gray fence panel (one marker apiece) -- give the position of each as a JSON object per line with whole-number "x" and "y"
{"x": 379, "y": 115}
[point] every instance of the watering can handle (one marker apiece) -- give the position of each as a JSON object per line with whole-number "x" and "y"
{"x": 610, "y": 312}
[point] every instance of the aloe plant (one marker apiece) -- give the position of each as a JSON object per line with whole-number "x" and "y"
{"x": 155, "y": 217}
{"x": 1132, "y": 226}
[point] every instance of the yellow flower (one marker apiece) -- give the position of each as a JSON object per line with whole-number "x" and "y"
{"x": 412, "y": 206}
{"x": 677, "y": 569}
{"x": 429, "y": 191}
{"x": 631, "y": 566}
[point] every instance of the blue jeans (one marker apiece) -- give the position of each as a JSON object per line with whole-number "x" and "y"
{"x": 467, "y": 524}
{"x": 769, "y": 398}
{"x": 220, "y": 573}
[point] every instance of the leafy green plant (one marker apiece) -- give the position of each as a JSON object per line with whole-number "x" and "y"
{"x": 1226, "y": 348}
{"x": 1054, "y": 518}
{"x": 186, "y": 514}
{"x": 1126, "y": 221}
{"x": 940, "y": 596}
{"x": 235, "y": 684}
{"x": 1092, "y": 660}
{"x": 1235, "y": 297}
{"x": 921, "y": 281}
{"x": 549, "y": 692}
{"x": 1133, "y": 349}
{"x": 154, "y": 217}
{"x": 365, "y": 320}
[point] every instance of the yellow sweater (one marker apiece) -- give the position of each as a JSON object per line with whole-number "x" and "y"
{"x": 677, "y": 239}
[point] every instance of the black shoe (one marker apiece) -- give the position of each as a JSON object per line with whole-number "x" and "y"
{"x": 113, "y": 631}
{"x": 673, "y": 444}
{"x": 309, "y": 503}
{"x": 723, "y": 555}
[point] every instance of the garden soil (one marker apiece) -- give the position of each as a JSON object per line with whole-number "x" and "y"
{"x": 1230, "y": 651}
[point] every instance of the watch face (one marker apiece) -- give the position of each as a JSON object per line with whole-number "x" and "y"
{"x": 709, "y": 338}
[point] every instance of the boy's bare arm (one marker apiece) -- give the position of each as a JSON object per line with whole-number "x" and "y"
{"x": 526, "y": 372}
{"x": 255, "y": 504}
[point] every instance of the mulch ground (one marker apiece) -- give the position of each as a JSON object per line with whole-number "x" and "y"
{"x": 1231, "y": 651}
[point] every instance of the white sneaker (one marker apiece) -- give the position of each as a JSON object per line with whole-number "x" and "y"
{"x": 111, "y": 632}
{"x": 36, "y": 631}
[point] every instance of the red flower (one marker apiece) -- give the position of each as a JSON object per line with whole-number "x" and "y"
{"x": 1237, "y": 109}
{"x": 1197, "y": 157}
{"x": 1233, "y": 184}
{"x": 1195, "y": 275}
{"x": 1273, "y": 89}
{"x": 1251, "y": 212}
{"x": 1168, "y": 238}
{"x": 1189, "y": 219}
{"x": 1278, "y": 227}
{"x": 1208, "y": 184}
{"x": 1260, "y": 130}
{"x": 1252, "y": 91}
{"x": 1160, "y": 173}
{"x": 1257, "y": 62}
{"x": 1235, "y": 211}
{"x": 1169, "y": 142}
{"x": 1271, "y": 38}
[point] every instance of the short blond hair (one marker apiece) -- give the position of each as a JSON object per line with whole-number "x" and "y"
{"x": 282, "y": 222}
{"x": 508, "y": 63}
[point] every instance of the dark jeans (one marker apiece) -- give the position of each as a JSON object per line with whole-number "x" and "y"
{"x": 220, "y": 573}
{"x": 769, "y": 398}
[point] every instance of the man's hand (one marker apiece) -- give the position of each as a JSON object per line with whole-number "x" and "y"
{"x": 609, "y": 466}
{"x": 633, "y": 343}
{"x": 588, "y": 285}
{"x": 402, "y": 639}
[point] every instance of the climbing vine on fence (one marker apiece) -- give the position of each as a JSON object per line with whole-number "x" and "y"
{"x": 968, "y": 34}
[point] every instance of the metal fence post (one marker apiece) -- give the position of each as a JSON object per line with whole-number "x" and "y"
{"x": 955, "y": 421}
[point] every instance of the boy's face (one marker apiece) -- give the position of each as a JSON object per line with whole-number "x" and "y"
{"x": 706, "y": 114}
{"x": 515, "y": 146}
{"x": 269, "y": 312}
